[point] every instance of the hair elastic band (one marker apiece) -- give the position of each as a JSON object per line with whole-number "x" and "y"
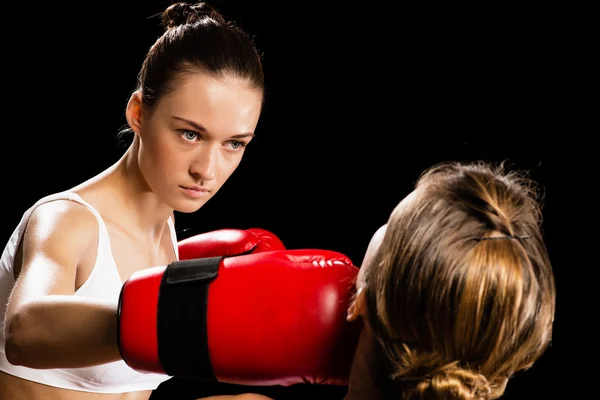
{"x": 503, "y": 237}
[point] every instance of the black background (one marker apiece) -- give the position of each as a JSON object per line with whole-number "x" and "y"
{"x": 360, "y": 100}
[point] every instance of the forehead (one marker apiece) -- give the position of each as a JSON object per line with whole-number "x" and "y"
{"x": 369, "y": 257}
{"x": 406, "y": 202}
{"x": 378, "y": 236}
{"x": 201, "y": 95}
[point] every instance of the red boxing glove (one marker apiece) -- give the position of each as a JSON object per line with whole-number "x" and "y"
{"x": 228, "y": 242}
{"x": 271, "y": 318}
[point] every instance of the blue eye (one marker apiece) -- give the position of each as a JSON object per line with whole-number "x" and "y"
{"x": 189, "y": 135}
{"x": 237, "y": 145}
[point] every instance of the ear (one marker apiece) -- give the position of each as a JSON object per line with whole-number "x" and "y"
{"x": 133, "y": 112}
{"x": 358, "y": 307}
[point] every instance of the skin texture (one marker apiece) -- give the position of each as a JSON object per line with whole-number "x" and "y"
{"x": 46, "y": 326}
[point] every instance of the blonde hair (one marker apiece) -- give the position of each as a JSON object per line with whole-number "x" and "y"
{"x": 462, "y": 294}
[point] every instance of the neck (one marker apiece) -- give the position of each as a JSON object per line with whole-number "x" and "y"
{"x": 128, "y": 195}
{"x": 365, "y": 367}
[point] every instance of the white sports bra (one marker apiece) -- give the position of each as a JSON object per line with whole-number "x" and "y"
{"x": 105, "y": 283}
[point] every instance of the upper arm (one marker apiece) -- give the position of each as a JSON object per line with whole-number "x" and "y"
{"x": 57, "y": 237}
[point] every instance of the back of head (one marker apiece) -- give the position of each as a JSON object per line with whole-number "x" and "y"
{"x": 197, "y": 38}
{"x": 461, "y": 293}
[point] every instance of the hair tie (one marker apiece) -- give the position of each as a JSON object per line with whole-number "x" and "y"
{"x": 503, "y": 237}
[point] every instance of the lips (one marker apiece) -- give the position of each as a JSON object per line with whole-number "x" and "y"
{"x": 195, "y": 188}
{"x": 195, "y": 192}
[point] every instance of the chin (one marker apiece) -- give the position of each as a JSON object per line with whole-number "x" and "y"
{"x": 187, "y": 206}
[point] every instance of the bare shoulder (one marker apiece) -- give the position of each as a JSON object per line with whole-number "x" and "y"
{"x": 58, "y": 236}
{"x": 61, "y": 219}
{"x": 59, "y": 231}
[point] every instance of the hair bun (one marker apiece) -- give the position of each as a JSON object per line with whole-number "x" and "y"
{"x": 451, "y": 382}
{"x": 186, "y": 13}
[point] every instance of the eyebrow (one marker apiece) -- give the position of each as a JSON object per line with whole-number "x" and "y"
{"x": 200, "y": 128}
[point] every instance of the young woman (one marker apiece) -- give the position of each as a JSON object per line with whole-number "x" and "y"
{"x": 456, "y": 291}
{"x": 197, "y": 104}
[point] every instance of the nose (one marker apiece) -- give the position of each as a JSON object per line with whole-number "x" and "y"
{"x": 204, "y": 166}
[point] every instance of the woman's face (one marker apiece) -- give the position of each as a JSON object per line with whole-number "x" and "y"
{"x": 195, "y": 138}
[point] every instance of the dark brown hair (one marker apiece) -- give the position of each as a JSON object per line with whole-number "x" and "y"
{"x": 462, "y": 294}
{"x": 197, "y": 38}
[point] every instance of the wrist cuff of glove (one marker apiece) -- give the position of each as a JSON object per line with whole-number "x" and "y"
{"x": 182, "y": 317}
